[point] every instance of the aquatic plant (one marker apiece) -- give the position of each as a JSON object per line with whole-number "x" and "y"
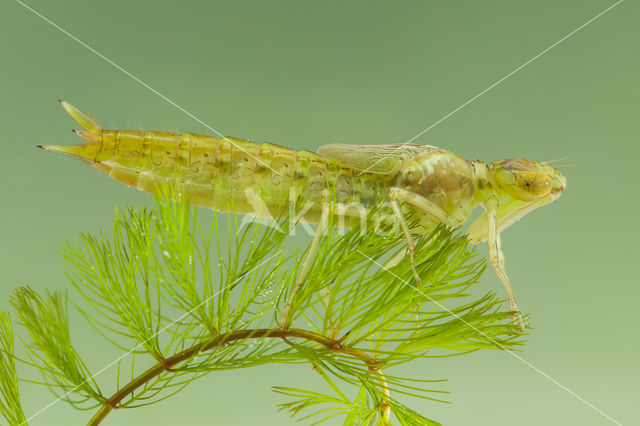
{"x": 183, "y": 297}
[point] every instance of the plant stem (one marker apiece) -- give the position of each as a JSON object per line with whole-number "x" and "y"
{"x": 219, "y": 341}
{"x": 384, "y": 406}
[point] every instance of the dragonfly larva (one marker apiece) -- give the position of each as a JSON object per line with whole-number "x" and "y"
{"x": 233, "y": 174}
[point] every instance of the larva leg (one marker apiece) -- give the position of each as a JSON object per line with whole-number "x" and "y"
{"x": 509, "y": 212}
{"x": 496, "y": 258}
{"x": 423, "y": 204}
{"x": 306, "y": 264}
{"x": 411, "y": 247}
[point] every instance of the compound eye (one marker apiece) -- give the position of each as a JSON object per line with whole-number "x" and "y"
{"x": 525, "y": 185}
{"x": 532, "y": 184}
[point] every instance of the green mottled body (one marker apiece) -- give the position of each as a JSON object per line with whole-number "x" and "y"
{"x": 264, "y": 179}
{"x": 222, "y": 173}
{"x": 228, "y": 174}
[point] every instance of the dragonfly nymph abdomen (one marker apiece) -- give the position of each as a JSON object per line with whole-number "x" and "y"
{"x": 216, "y": 172}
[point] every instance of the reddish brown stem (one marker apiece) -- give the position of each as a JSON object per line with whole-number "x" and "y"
{"x": 333, "y": 345}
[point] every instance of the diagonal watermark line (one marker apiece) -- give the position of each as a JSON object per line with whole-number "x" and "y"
{"x": 147, "y": 340}
{"x": 127, "y": 73}
{"x": 536, "y": 369}
{"x": 515, "y": 71}
{"x": 495, "y": 84}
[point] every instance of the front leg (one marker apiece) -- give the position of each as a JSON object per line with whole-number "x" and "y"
{"x": 508, "y": 212}
{"x": 496, "y": 258}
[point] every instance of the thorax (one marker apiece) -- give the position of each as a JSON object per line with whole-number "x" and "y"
{"x": 443, "y": 178}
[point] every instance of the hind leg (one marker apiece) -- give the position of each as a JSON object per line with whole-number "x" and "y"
{"x": 306, "y": 265}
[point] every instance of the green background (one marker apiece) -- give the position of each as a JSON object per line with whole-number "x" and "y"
{"x": 303, "y": 74}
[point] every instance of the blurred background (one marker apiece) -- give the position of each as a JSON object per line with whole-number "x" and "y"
{"x": 304, "y": 74}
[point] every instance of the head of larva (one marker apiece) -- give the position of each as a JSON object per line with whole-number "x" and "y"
{"x": 527, "y": 180}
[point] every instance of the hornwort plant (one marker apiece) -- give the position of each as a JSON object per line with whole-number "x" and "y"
{"x": 182, "y": 298}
